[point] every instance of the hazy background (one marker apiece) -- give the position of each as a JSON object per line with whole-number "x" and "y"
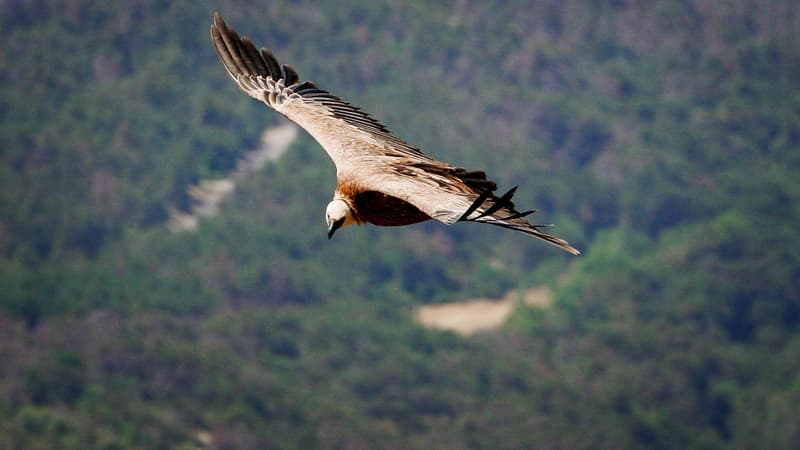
{"x": 661, "y": 137}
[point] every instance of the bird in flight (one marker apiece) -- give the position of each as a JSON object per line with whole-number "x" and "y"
{"x": 381, "y": 179}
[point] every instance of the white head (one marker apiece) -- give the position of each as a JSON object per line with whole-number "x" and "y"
{"x": 338, "y": 214}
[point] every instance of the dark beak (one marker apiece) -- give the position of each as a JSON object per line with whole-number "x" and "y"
{"x": 334, "y": 226}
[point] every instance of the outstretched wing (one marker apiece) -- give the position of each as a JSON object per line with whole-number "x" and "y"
{"x": 343, "y": 130}
{"x": 503, "y": 214}
{"x": 368, "y": 157}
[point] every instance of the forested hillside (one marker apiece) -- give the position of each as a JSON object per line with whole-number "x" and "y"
{"x": 662, "y": 139}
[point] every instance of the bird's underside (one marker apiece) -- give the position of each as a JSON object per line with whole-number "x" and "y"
{"x": 384, "y": 180}
{"x": 384, "y": 210}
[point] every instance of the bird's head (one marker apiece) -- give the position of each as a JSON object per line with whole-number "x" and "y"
{"x": 338, "y": 214}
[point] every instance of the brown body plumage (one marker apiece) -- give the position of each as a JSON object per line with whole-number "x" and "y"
{"x": 384, "y": 210}
{"x": 381, "y": 179}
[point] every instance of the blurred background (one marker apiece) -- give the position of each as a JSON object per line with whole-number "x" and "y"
{"x": 660, "y": 137}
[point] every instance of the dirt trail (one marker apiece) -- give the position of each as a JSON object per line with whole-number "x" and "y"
{"x": 472, "y": 316}
{"x": 209, "y": 194}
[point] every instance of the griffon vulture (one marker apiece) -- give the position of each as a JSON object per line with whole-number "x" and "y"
{"x": 380, "y": 178}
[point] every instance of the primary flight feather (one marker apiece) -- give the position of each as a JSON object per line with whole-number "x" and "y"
{"x": 380, "y": 178}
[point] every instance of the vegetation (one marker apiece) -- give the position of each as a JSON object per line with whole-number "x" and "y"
{"x": 662, "y": 139}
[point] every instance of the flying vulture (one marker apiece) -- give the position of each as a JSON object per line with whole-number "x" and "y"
{"x": 380, "y": 178}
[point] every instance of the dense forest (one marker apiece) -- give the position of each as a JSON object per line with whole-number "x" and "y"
{"x": 662, "y": 139}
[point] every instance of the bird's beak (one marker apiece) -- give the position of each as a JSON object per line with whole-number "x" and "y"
{"x": 334, "y": 226}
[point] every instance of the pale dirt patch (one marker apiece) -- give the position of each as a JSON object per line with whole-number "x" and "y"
{"x": 536, "y": 297}
{"x": 274, "y": 143}
{"x": 473, "y": 316}
{"x": 209, "y": 194}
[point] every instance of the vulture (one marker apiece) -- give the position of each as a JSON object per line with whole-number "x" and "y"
{"x": 381, "y": 179}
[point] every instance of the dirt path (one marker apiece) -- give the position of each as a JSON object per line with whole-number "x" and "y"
{"x": 209, "y": 194}
{"x": 472, "y": 316}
